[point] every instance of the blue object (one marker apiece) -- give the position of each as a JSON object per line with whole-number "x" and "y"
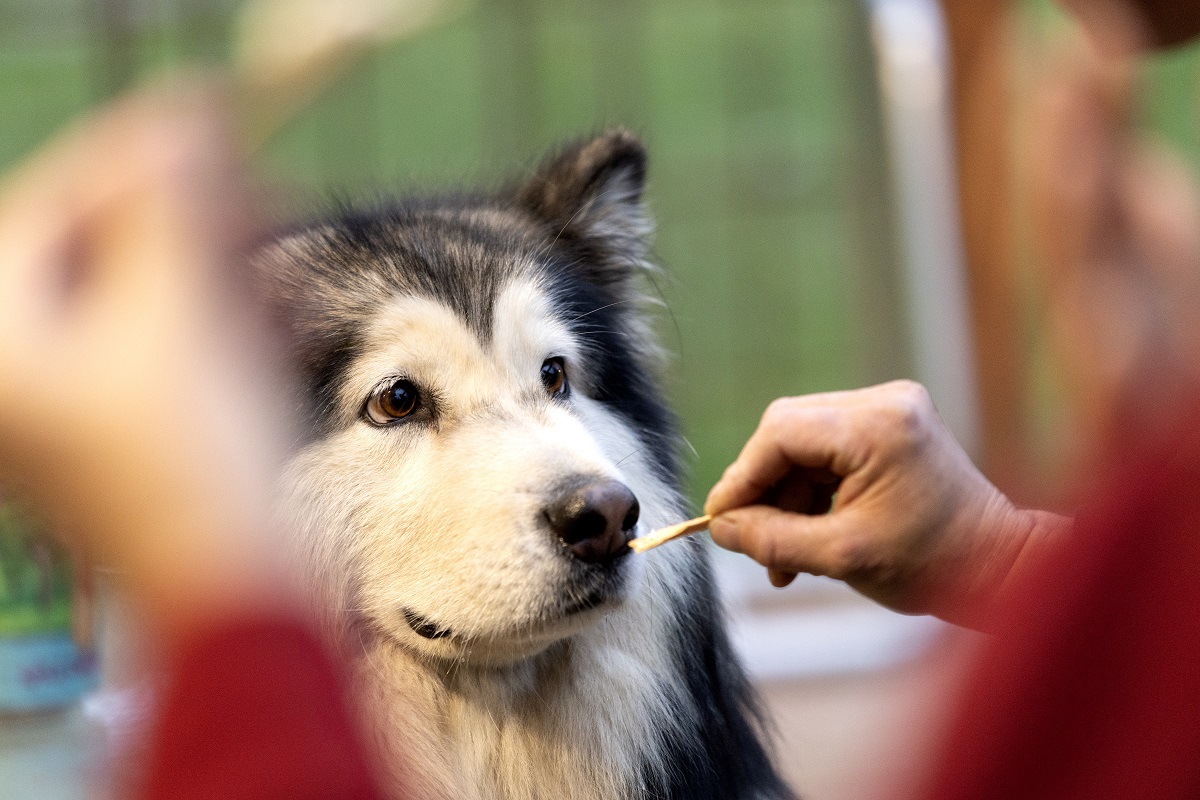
{"x": 44, "y": 671}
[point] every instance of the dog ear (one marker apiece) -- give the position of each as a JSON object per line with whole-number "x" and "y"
{"x": 590, "y": 194}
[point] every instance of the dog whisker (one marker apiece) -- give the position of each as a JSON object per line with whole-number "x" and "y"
{"x": 601, "y": 308}
{"x": 631, "y": 455}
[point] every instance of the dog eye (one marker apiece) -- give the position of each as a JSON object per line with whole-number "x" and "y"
{"x": 393, "y": 402}
{"x": 554, "y": 376}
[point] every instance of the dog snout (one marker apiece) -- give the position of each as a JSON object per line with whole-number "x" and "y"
{"x": 595, "y": 520}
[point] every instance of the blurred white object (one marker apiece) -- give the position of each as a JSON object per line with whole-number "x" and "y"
{"x": 914, "y": 82}
{"x": 840, "y": 640}
{"x": 816, "y": 627}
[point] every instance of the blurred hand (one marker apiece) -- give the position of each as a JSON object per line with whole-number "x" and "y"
{"x": 869, "y": 487}
{"x": 1117, "y": 223}
{"x": 136, "y": 408}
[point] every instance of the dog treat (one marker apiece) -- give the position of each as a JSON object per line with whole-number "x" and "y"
{"x": 662, "y": 535}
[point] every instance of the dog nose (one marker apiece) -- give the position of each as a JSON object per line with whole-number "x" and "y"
{"x": 595, "y": 520}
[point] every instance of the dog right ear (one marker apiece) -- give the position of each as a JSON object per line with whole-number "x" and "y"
{"x": 590, "y": 194}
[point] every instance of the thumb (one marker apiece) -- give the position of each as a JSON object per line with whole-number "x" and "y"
{"x": 785, "y": 541}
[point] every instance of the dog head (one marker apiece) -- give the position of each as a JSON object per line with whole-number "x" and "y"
{"x": 487, "y": 429}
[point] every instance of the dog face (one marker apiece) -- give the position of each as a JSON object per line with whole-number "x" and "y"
{"x": 488, "y": 434}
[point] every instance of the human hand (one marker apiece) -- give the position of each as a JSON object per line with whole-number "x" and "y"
{"x": 136, "y": 409}
{"x": 869, "y": 487}
{"x": 1116, "y": 223}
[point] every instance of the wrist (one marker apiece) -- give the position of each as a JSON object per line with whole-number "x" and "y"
{"x": 1008, "y": 540}
{"x": 1039, "y": 530}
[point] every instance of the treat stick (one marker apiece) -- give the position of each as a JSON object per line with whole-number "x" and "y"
{"x": 655, "y": 538}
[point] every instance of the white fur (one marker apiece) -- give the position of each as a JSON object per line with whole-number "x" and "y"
{"x": 444, "y": 519}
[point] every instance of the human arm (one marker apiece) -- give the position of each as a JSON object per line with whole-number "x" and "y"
{"x": 869, "y": 487}
{"x": 142, "y": 412}
{"x": 132, "y": 393}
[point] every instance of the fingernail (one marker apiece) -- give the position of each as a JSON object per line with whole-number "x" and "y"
{"x": 724, "y": 531}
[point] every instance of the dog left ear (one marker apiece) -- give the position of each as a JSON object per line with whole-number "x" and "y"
{"x": 590, "y": 193}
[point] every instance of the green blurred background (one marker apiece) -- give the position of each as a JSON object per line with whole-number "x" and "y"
{"x": 768, "y": 180}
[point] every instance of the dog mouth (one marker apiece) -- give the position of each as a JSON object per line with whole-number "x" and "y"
{"x": 592, "y": 599}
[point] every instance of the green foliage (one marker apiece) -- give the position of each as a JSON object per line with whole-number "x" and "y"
{"x": 35, "y": 582}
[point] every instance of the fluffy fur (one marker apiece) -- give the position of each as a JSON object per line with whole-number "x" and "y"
{"x": 492, "y": 663}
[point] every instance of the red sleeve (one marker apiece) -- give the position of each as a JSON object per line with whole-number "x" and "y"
{"x": 1091, "y": 687}
{"x": 254, "y": 711}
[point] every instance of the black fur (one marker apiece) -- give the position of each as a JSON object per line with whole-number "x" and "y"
{"x": 579, "y": 223}
{"x": 724, "y": 756}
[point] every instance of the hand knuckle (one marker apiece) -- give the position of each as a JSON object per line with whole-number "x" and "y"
{"x": 776, "y": 411}
{"x": 908, "y": 410}
{"x": 912, "y": 393}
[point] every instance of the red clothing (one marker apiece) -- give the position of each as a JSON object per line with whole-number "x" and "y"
{"x": 1090, "y": 688}
{"x": 255, "y": 711}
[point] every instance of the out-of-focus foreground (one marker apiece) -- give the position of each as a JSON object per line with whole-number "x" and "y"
{"x": 777, "y": 182}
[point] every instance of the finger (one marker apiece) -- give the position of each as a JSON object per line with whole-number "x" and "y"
{"x": 1114, "y": 31}
{"x": 1083, "y": 237}
{"x": 1075, "y": 173}
{"x": 185, "y": 190}
{"x": 791, "y": 434}
{"x": 780, "y": 578}
{"x": 1163, "y": 205}
{"x": 86, "y": 166}
{"x": 1163, "y": 211}
{"x": 785, "y": 541}
{"x": 61, "y": 211}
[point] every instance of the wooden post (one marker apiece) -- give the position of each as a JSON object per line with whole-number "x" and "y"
{"x": 982, "y": 113}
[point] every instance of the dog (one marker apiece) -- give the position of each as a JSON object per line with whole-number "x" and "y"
{"x": 487, "y": 433}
